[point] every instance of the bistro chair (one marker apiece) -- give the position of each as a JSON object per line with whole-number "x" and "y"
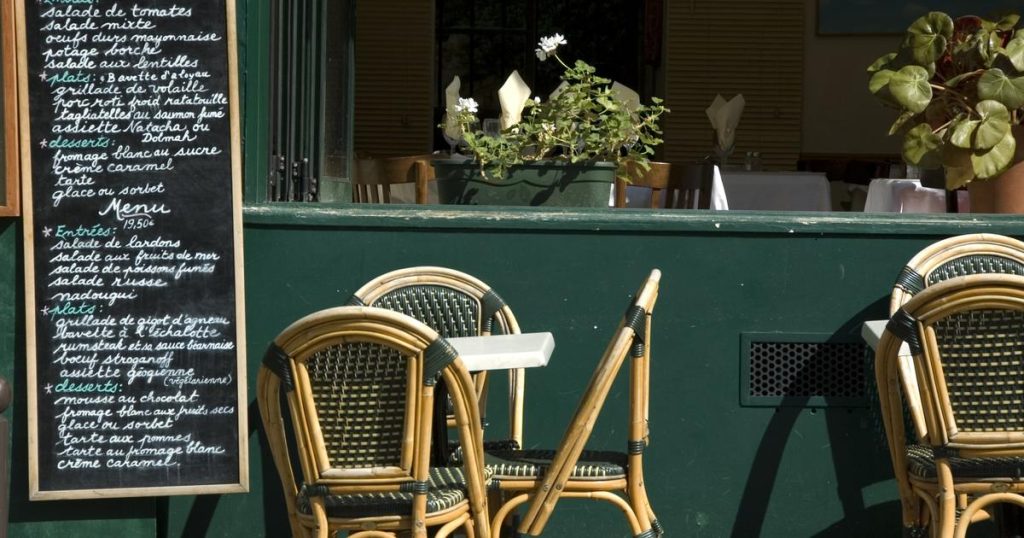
{"x": 966, "y": 336}
{"x": 454, "y": 304}
{"x": 542, "y": 477}
{"x": 359, "y": 384}
{"x": 672, "y": 186}
{"x": 373, "y": 177}
{"x": 898, "y": 389}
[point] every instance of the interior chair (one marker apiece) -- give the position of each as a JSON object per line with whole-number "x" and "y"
{"x": 359, "y": 385}
{"x": 966, "y": 337}
{"x": 896, "y": 377}
{"x": 672, "y": 186}
{"x": 373, "y": 177}
{"x": 454, "y": 304}
{"x": 542, "y": 477}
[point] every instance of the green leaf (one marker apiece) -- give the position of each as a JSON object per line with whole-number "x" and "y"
{"x": 962, "y": 133}
{"x": 951, "y": 83}
{"x": 995, "y": 84}
{"x": 881, "y": 62}
{"x": 1015, "y": 51}
{"x": 991, "y": 162}
{"x": 1009, "y": 22}
{"x": 957, "y": 164}
{"x": 928, "y": 35}
{"x": 995, "y": 123}
{"x": 921, "y": 147}
{"x": 880, "y": 80}
{"x": 910, "y": 88}
{"x": 901, "y": 122}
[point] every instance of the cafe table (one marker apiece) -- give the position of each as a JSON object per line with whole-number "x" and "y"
{"x": 492, "y": 352}
{"x": 776, "y": 191}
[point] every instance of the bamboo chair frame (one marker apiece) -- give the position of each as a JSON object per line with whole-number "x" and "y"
{"x": 372, "y": 177}
{"x": 323, "y": 330}
{"x": 628, "y": 493}
{"x": 466, "y": 285}
{"x": 673, "y": 186}
{"x": 934, "y": 502}
{"x": 896, "y": 377}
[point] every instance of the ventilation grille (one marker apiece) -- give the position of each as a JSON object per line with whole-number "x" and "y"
{"x": 812, "y": 374}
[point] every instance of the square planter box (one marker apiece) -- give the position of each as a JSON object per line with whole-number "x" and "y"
{"x": 544, "y": 183}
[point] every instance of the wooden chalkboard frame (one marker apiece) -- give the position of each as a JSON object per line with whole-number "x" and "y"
{"x": 10, "y": 204}
{"x": 23, "y": 118}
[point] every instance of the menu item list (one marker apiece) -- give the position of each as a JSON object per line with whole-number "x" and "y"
{"x": 134, "y": 247}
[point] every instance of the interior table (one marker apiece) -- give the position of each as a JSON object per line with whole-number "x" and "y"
{"x": 777, "y": 191}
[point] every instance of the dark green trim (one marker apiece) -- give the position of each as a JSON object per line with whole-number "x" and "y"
{"x": 355, "y": 300}
{"x": 790, "y": 224}
{"x": 421, "y": 488}
{"x": 279, "y": 363}
{"x": 438, "y": 355}
{"x": 910, "y": 280}
{"x": 635, "y": 447}
{"x": 636, "y": 319}
{"x": 490, "y": 304}
{"x": 649, "y": 533}
{"x": 903, "y": 325}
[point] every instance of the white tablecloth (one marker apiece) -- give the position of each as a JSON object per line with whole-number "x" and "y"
{"x": 777, "y": 191}
{"x": 908, "y": 196}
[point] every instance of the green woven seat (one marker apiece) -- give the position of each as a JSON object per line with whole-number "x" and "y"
{"x": 447, "y": 489}
{"x": 921, "y": 463}
{"x": 591, "y": 465}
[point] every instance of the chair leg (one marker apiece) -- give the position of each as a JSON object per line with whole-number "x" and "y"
{"x": 503, "y": 512}
{"x": 320, "y": 513}
{"x": 449, "y": 527}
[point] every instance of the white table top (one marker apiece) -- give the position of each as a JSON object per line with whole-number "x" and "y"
{"x": 504, "y": 351}
{"x": 871, "y": 332}
{"x": 902, "y": 195}
{"x": 777, "y": 191}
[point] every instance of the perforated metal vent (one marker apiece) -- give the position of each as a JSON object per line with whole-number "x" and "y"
{"x": 803, "y": 373}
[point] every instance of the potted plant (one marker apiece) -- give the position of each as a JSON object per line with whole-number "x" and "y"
{"x": 959, "y": 87}
{"x": 565, "y": 151}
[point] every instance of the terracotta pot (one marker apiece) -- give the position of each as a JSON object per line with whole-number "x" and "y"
{"x": 1004, "y": 193}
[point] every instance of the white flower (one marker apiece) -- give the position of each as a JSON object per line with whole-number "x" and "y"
{"x": 467, "y": 104}
{"x": 548, "y": 45}
{"x": 536, "y": 100}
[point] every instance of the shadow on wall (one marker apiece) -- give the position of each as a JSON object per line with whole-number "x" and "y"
{"x": 848, "y": 454}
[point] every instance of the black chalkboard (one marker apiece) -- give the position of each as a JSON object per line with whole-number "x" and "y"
{"x": 133, "y": 248}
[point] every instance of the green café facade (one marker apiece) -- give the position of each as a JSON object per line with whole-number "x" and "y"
{"x": 763, "y": 417}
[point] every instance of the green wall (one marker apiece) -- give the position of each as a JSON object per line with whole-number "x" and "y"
{"x": 715, "y": 468}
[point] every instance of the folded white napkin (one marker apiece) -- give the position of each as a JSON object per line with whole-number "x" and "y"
{"x": 725, "y": 116}
{"x": 451, "y": 99}
{"x": 558, "y": 89}
{"x": 512, "y": 97}
{"x": 626, "y": 97}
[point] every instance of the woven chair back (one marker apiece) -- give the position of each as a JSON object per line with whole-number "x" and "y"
{"x": 962, "y": 255}
{"x": 967, "y": 338}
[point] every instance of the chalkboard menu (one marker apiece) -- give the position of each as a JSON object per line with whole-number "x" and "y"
{"x": 129, "y": 134}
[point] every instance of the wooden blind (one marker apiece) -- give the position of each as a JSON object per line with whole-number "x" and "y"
{"x": 727, "y": 47}
{"x": 394, "y": 77}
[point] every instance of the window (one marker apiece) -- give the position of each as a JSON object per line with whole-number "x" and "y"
{"x": 482, "y": 42}
{"x": 310, "y": 99}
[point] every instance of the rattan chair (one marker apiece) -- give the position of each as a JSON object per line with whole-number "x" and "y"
{"x": 372, "y": 177}
{"x": 672, "y": 186}
{"x": 542, "y": 477}
{"x": 966, "y": 336}
{"x": 359, "y": 387}
{"x": 896, "y": 377}
{"x": 454, "y": 304}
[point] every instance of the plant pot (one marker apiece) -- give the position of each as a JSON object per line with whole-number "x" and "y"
{"x": 1005, "y": 192}
{"x": 1002, "y": 194}
{"x": 544, "y": 183}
